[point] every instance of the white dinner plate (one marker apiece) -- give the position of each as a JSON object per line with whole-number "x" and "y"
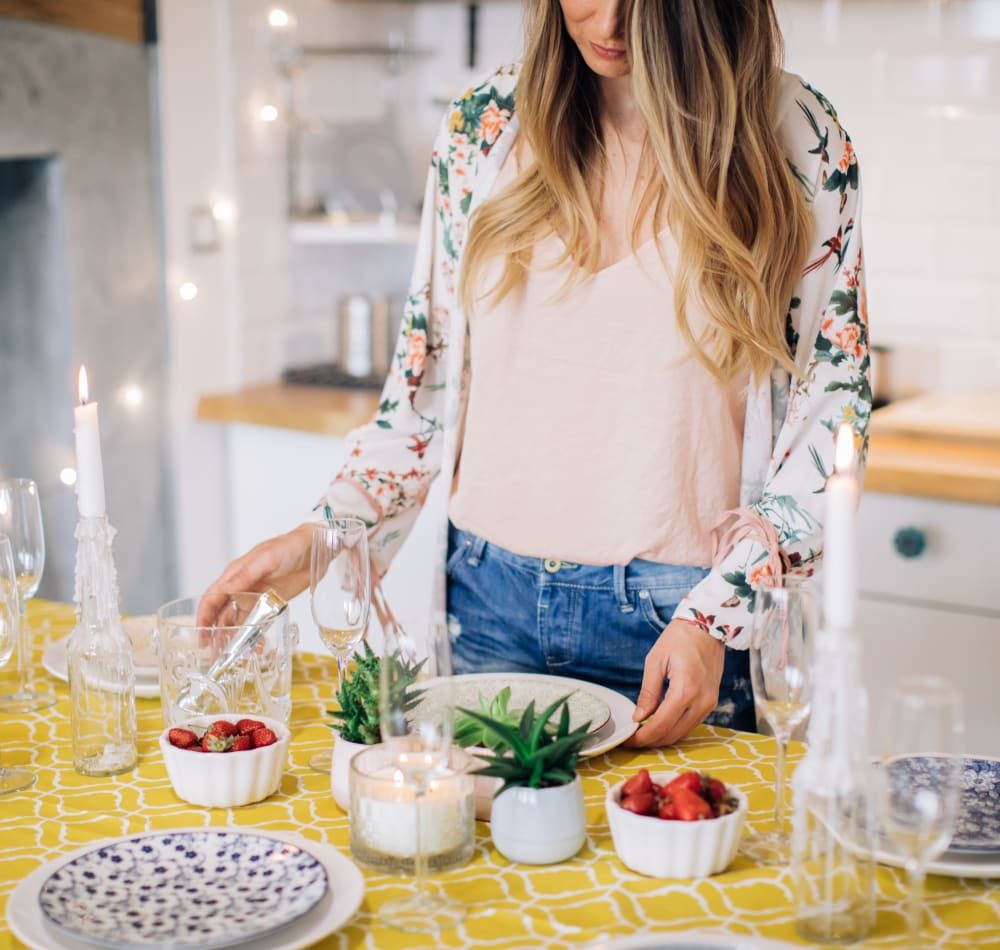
{"x": 147, "y": 668}
{"x": 688, "y": 941}
{"x": 618, "y": 724}
{"x": 950, "y": 864}
{"x": 335, "y": 908}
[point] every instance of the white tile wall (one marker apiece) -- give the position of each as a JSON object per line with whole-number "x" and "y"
{"x": 917, "y": 83}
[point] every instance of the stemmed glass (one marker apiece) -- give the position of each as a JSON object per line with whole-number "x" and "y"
{"x": 919, "y": 779}
{"x": 417, "y": 729}
{"x": 11, "y": 780}
{"x": 339, "y": 594}
{"x": 21, "y": 521}
{"x": 785, "y": 622}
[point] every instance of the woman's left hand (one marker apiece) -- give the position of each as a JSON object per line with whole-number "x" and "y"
{"x": 692, "y": 660}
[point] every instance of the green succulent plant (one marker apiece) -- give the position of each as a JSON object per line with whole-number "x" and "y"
{"x": 535, "y": 755}
{"x": 471, "y": 732}
{"x": 357, "y": 720}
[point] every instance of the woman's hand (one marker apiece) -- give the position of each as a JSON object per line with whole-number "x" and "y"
{"x": 692, "y": 660}
{"x": 280, "y": 564}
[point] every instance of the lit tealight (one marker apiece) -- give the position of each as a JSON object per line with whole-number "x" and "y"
{"x": 131, "y": 395}
{"x": 68, "y": 476}
{"x": 187, "y": 290}
{"x": 268, "y": 113}
{"x": 222, "y": 209}
{"x": 278, "y": 18}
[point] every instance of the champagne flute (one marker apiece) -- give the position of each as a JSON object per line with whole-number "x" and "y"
{"x": 784, "y": 625}
{"x": 339, "y": 594}
{"x": 21, "y": 521}
{"x": 417, "y": 728}
{"x": 11, "y": 780}
{"x": 919, "y": 779}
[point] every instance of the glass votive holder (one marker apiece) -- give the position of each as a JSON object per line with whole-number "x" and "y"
{"x": 383, "y": 814}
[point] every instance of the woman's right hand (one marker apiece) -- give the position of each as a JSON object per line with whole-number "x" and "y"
{"x": 280, "y": 564}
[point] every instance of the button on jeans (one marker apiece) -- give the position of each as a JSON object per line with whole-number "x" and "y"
{"x": 541, "y": 615}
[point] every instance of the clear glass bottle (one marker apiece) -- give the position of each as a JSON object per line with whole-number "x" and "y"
{"x": 101, "y": 672}
{"x": 833, "y": 869}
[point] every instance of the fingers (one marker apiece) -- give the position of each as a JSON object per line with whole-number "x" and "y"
{"x": 692, "y": 662}
{"x": 684, "y": 706}
{"x": 280, "y": 563}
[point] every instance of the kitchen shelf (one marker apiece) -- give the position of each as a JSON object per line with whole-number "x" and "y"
{"x": 321, "y": 230}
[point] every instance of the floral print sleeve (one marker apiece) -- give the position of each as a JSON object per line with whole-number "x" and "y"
{"x": 392, "y": 460}
{"x": 828, "y": 333}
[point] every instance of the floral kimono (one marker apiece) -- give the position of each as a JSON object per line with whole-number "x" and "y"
{"x": 791, "y": 423}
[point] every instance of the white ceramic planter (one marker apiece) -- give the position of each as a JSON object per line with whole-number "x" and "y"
{"x": 340, "y": 769}
{"x": 539, "y": 825}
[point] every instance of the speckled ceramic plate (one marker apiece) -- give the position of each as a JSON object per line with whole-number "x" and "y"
{"x": 977, "y": 827}
{"x": 585, "y": 704}
{"x": 192, "y": 890}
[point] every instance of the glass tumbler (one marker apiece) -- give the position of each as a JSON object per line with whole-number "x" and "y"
{"x": 258, "y": 683}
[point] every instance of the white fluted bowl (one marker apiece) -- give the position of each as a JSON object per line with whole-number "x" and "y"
{"x": 226, "y": 779}
{"x": 674, "y": 849}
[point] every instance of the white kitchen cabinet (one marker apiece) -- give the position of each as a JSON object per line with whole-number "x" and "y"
{"x": 276, "y": 476}
{"x": 936, "y": 611}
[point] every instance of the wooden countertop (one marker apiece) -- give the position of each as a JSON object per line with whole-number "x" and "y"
{"x": 900, "y": 462}
{"x": 317, "y": 409}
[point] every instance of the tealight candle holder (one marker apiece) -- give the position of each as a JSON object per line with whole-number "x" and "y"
{"x": 383, "y": 814}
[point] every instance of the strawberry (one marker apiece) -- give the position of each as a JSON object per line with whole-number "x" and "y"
{"x": 668, "y": 809}
{"x": 214, "y": 741}
{"x": 689, "y": 780}
{"x": 246, "y": 727}
{"x": 182, "y": 738}
{"x": 223, "y": 728}
{"x": 241, "y": 744}
{"x": 716, "y": 790}
{"x": 642, "y": 803}
{"x": 262, "y": 737}
{"x": 638, "y": 784}
{"x": 690, "y": 806}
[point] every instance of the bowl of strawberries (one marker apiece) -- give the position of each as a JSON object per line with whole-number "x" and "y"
{"x": 225, "y": 761}
{"x": 675, "y": 825}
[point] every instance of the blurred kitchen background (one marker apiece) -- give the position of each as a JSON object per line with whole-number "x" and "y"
{"x": 190, "y": 190}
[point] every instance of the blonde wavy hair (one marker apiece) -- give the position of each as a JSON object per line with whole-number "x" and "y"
{"x": 705, "y": 75}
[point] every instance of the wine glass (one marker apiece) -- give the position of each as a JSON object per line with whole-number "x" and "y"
{"x": 417, "y": 727}
{"x": 11, "y": 780}
{"x": 919, "y": 778}
{"x": 785, "y": 621}
{"x": 339, "y": 594}
{"x": 21, "y": 521}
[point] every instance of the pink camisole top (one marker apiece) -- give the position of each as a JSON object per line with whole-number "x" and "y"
{"x": 592, "y": 434}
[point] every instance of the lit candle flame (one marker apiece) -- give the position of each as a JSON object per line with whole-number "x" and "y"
{"x": 81, "y": 386}
{"x": 844, "y": 455}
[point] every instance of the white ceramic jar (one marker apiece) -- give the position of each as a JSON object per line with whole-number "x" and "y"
{"x": 539, "y": 825}
{"x": 340, "y": 769}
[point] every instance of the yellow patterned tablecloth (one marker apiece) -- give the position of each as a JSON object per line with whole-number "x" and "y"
{"x": 589, "y": 897}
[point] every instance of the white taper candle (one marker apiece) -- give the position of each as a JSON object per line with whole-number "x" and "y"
{"x": 840, "y": 570}
{"x": 89, "y": 465}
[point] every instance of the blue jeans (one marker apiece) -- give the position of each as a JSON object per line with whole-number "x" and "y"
{"x": 531, "y": 615}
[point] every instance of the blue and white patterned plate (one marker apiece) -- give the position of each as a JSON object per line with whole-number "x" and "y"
{"x": 193, "y": 890}
{"x": 977, "y": 828}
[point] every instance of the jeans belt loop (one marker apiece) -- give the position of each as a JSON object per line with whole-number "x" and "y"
{"x": 476, "y": 548}
{"x": 621, "y": 593}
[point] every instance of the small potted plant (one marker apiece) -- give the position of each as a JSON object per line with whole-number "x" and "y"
{"x": 357, "y": 721}
{"x": 538, "y": 815}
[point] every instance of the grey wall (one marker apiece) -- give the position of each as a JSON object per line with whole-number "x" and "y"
{"x": 84, "y": 102}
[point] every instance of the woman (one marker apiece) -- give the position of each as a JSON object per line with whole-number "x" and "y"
{"x": 636, "y": 320}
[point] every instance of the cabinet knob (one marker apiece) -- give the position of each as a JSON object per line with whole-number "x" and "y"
{"x": 909, "y": 542}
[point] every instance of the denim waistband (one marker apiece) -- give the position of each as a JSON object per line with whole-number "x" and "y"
{"x": 638, "y": 574}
